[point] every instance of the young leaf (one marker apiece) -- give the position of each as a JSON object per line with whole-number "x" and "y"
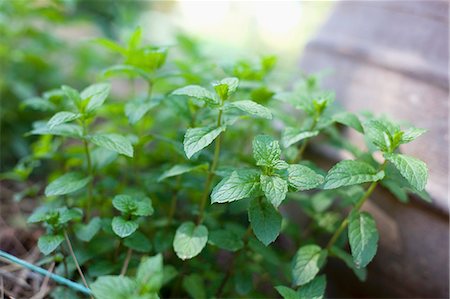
{"x": 226, "y": 87}
{"x": 149, "y": 275}
{"x": 138, "y": 206}
{"x": 307, "y": 263}
{"x": 197, "y": 139}
{"x": 181, "y": 169}
{"x": 225, "y": 239}
{"x": 68, "y": 183}
{"x": 113, "y": 287}
{"x": 349, "y": 119}
{"x": 190, "y": 240}
{"x": 363, "y": 238}
{"x": 85, "y": 232}
{"x": 265, "y": 220}
{"x": 111, "y": 46}
{"x": 412, "y": 169}
{"x": 252, "y": 108}
{"x": 411, "y": 134}
{"x": 240, "y": 184}
{"x": 266, "y": 150}
{"x": 123, "y": 228}
{"x": 380, "y": 134}
{"x": 314, "y": 289}
{"x": 96, "y": 94}
{"x": 302, "y": 178}
{"x": 197, "y": 92}
{"x": 126, "y": 70}
{"x": 351, "y": 172}
{"x": 113, "y": 142}
{"x": 274, "y": 188}
{"x": 48, "y": 243}
{"x": 292, "y": 135}
{"x": 361, "y": 273}
{"x": 287, "y": 293}
{"x": 62, "y": 117}
{"x": 72, "y": 94}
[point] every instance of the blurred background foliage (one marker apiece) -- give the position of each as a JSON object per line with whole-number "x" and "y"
{"x": 47, "y": 43}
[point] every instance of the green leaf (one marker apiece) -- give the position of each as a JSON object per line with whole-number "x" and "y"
{"x": 85, "y": 232}
{"x": 68, "y": 183}
{"x": 361, "y": 273}
{"x": 252, "y": 108}
{"x": 226, "y": 87}
{"x": 363, "y": 238}
{"x": 302, "y": 178}
{"x": 123, "y": 228}
{"x": 349, "y": 119}
{"x": 194, "y": 286}
{"x": 240, "y": 184}
{"x": 265, "y": 220}
{"x": 190, "y": 240}
{"x": 314, "y": 289}
{"x": 96, "y": 94}
{"x": 113, "y": 287}
{"x": 380, "y": 134}
{"x": 181, "y": 169}
{"x": 113, "y": 142}
{"x": 225, "y": 239}
{"x": 274, "y": 188}
{"x": 198, "y": 92}
{"x": 411, "y": 134}
{"x": 413, "y": 170}
{"x": 72, "y": 95}
{"x": 111, "y": 45}
{"x": 136, "y": 109}
{"x": 292, "y": 135}
{"x": 62, "y": 117}
{"x": 126, "y": 70}
{"x": 48, "y": 243}
{"x": 197, "y": 139}
{"x": 351, "y": 172}
{"x": 134, "y": 205}
{"x": 287, "y": 293}
{"x": 65, "y": 130}
{"x": 135, "y": 39}
{"x": 138, "y": 242}
{"x": 266, "y": 150}
{"x": 38, "y": 104}
{"x": 307, "y": 263}
{"x": 149, "y": 276}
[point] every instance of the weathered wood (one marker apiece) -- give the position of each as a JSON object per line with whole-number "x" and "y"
{"x": 391, "y": 57}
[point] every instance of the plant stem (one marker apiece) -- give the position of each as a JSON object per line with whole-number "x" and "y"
{"x": 173, "y": 203}
{"x": 230, "y": 269}
{"x": 305, "y": 143}
{"x": 90, "y": 171}
{"x": 210, "y": 172}
{"x": 126, "y": 262}
{"x": 357, "y": 206}
{"x": 75, "y": 260}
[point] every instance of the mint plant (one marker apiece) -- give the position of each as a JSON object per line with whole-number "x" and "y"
{"x": 187, "y": 188}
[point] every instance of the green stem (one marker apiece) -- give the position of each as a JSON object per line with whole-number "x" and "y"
{"x": 173, "y": 203}
{"x": 55, "y": 277}
{"x": 305, "y": 143}
{"x": 75, "y": 260}
{"x": 90, "y": 171}
{"x": 230, "y": 269}
{"x": 357, "y": 206}
{"x": 126, "y": 262}
{"x": 210, "y": 172}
